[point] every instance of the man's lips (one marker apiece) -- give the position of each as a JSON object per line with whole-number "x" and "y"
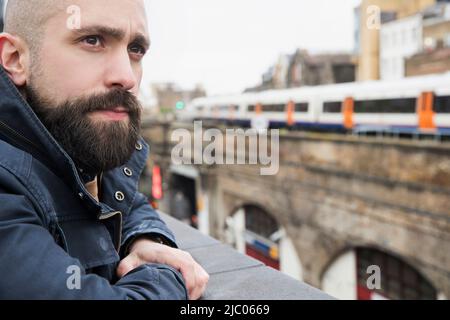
{"x": 115, "y": 114}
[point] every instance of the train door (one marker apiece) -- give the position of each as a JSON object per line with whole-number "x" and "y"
{"x": 425, "y": 111}
{"x": 290, "y": 111}
{"x": 347, "y": 110}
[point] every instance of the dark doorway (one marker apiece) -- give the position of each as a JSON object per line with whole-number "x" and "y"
{"x": 183, "y": 199}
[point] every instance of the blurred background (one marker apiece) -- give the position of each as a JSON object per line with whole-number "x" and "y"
{"x": 360, "y": 91}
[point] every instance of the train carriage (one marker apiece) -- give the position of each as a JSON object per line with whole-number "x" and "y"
{"x": 410, "y": 105}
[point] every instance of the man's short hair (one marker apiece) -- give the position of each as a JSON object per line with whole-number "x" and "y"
{"x": 27, "y": 18}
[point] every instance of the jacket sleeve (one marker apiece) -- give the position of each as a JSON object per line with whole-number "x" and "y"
{"x": 143, "y": 220}
{"x": 33, "y": 266}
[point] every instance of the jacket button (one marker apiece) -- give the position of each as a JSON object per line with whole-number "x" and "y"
{"x": 127, "y": 172}
{"x": 119, "y": 196}
{"x": 139, "y": 146}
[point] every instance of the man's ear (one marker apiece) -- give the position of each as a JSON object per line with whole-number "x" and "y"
{"x": 13, "y": 58}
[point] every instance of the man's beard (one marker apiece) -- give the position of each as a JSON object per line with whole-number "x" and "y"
{"x": 93, "y": 145}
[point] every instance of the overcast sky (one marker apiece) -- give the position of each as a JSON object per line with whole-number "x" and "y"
{"x": 226, "y": 45}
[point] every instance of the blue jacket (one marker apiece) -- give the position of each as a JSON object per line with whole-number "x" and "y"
{"x": 52, "y": 229}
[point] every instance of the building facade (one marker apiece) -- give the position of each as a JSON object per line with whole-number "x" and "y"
{"x": 169, "y": 97}
{"x": 304, "y": 69}
{"x": 371, "y": 15}
{"x": 399, "y": 40}
{"x": 435, "y": 56}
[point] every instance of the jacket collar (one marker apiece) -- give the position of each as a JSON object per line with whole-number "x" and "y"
{"x": 20, "y": 126}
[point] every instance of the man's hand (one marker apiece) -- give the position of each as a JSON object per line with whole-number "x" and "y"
{"x": 145, "y": 251}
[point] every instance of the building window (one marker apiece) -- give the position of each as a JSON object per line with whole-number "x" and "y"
{"x": 259, "y": 222}
{"x": 398, "y": 279}
{"x": 385, "y": 40}
{"x": 447, "y": 40}
{"x": 260, "y": 226}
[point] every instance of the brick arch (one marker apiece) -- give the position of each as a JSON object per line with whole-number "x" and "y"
{"x": 384, "y": 251}
{"x": 290, "y": 261}
{"x": 338, "y": 252}
{"x": 243, "y": 204}
{"x": 240, "y": 203}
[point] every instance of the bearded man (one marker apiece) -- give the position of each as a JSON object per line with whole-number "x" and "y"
{"x": 72, "y": 223}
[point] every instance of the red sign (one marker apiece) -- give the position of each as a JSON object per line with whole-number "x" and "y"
{"x": 157, "y": 192}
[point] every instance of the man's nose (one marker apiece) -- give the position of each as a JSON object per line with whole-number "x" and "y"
{"x": 120, "y": 73}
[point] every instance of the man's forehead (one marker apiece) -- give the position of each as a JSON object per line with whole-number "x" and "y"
{"x": 125, "y": 15}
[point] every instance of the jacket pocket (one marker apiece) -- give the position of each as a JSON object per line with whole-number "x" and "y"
{"x": 89, "y": 241}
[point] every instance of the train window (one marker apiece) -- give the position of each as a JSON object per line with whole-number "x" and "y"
{"x": 332, "y": 107}
{"x": 273, "y": 108}
{"x": 301, "y": 107}
{"x": 442, "y": 104}
{"x": 200, "y": 108}
{"x": 403, "y": 105}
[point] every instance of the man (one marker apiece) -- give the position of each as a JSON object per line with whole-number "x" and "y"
{"x": 72, "y": 224}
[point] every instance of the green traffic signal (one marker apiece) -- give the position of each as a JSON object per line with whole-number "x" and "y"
{"x": 180, "y": 105}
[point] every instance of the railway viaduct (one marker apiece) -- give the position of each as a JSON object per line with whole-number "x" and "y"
{"x": 332, "y": 194}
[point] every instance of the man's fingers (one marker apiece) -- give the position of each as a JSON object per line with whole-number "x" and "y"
{"x": 145, "y": 251}
{"x": 187, "y": 269}
{"x": 126, "y": 265}
{"x": 196, "y": 279}
{"x": 202, "y": 278}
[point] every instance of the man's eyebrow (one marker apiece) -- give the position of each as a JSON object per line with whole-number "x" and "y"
{"x": 114, "y": 33}
{"x": 141, "y": 39}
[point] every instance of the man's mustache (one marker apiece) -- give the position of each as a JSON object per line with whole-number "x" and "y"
{"x": 108, "y": 101}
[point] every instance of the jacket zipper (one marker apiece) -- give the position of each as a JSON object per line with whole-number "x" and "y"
{"x": 24, "y": 143}
{"x": 18, "y": 135}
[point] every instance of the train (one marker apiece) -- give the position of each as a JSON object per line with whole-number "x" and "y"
{"x": 407, "y": 106}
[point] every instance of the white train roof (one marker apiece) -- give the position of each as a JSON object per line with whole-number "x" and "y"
{"x": 439, "y": 83}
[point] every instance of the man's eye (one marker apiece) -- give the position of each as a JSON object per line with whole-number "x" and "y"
{"x": 137, "y": 49}
{"x": 93, "y": 40}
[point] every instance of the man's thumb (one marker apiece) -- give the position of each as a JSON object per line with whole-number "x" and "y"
{"x": 126, "y": 265}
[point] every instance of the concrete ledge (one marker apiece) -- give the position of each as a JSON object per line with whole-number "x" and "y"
{"x": 234, "y": 276}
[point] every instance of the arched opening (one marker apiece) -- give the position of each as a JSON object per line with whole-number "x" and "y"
{"x": 369, "y": 274}
{"x": 253, "y": 231}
